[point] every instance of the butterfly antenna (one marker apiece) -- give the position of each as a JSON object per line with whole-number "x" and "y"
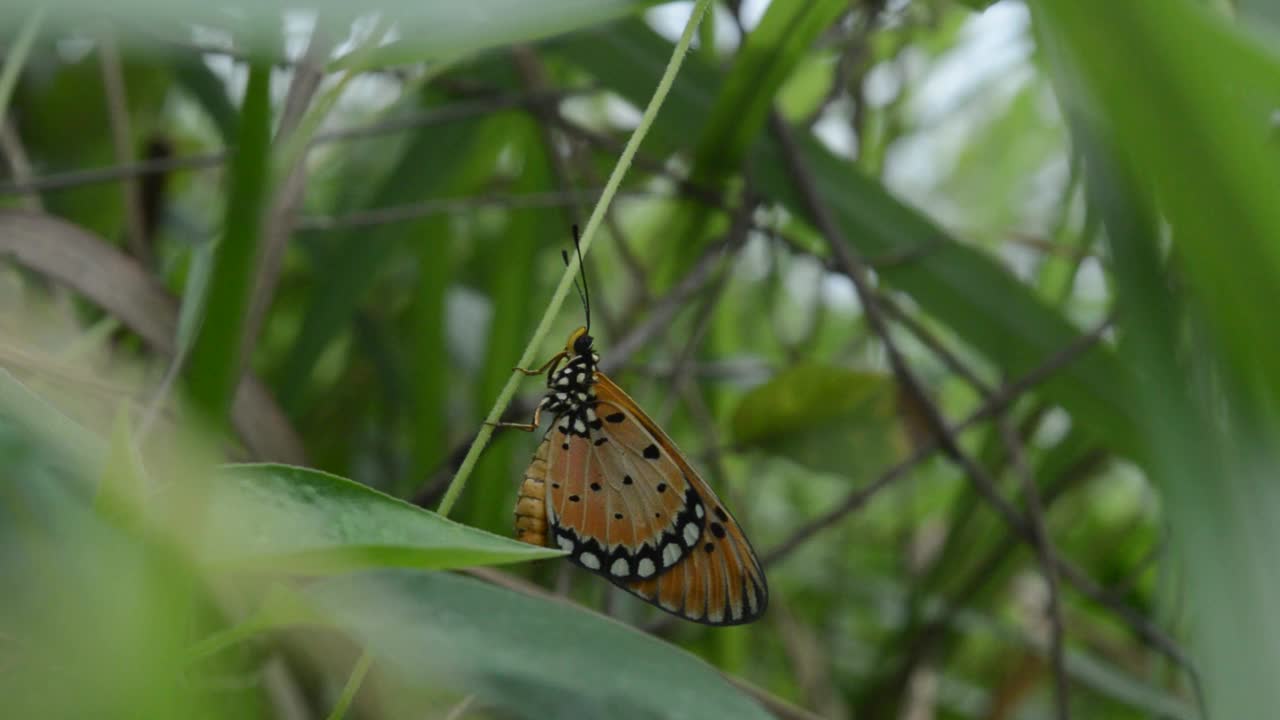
{"x": 582, "y": 268}
{"x": 582, "y": 296}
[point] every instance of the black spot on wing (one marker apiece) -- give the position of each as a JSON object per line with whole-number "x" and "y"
{"x": 595, "y": 486}
{"x": 721, "y": 514}
{"x": 626, "y": 480}
{"x": 652, "y": 452}
{"x": 662, "y": 487}
{"x": 615, "y": 418}
{"x": 717, "y": 529}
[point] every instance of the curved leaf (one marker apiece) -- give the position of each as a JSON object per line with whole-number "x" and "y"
{"x": 305, "y": 521}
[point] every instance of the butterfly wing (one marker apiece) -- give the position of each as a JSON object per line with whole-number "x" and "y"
{"x": 627, "y": 505}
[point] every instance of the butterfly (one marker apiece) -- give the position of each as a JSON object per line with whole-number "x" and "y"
{"x": 611, "y": 489}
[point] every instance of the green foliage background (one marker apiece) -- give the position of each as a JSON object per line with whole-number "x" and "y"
{"x": 267, "y": 271}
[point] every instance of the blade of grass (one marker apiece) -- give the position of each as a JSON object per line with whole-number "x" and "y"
{"x": 217, "y": 362}
{"x": 588, "y": 234}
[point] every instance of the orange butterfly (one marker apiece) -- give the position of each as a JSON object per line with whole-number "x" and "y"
{"x": 611, "y": 489}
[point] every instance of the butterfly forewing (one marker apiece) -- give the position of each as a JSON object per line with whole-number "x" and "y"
{"x": 618, "y": 501}
{"x": 720, "y": 580}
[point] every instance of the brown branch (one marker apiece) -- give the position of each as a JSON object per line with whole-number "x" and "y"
{"x": 935, "y": 345}
{"x": 1048, "y": 567}
{"x": 945, "y": 437}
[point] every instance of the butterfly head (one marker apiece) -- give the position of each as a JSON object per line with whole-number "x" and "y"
{"x": 579, "y": 343}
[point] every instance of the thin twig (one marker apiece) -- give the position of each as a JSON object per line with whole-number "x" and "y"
{"x": 935, "y": 345}
{"x": 1045, "y": 552}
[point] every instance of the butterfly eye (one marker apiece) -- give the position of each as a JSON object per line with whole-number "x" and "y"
{"x": 582, "y": 346}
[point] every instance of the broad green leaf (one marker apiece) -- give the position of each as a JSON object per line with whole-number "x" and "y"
{"x": 827, "y": 418}
{"x": 528, "y": 657}
{"x": 297, "y": 520}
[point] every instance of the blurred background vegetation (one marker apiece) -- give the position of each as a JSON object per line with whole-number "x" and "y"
{"x": 965, "y": 307}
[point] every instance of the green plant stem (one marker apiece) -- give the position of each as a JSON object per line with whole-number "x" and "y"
{"x": 352, "y": 687}
{"x": 588, "y": 235}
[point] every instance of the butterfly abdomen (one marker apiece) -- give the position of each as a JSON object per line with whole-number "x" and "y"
{"x": 531, "y": 503}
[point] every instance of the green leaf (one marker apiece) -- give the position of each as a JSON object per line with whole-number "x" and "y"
{"x": 297, "y": 520}
{"x": 217, "y": 355}
{"x": 529, "y": 657}
{"x": 827, "y": 418}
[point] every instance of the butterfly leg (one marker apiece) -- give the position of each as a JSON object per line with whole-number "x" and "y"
{"x": 527, "y": 427}
{"x": 550, "y": 365}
